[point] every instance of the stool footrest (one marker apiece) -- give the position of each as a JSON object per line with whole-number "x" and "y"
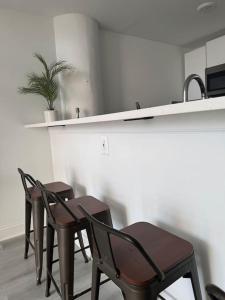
{"x": 56, "y": 245}
{"x": 44, "y": 249}
{"x": 89, "y": 289}
{"x": 75, "y": 252}
{"x": 31, "y": 244}
{"x": 78, "y": 294}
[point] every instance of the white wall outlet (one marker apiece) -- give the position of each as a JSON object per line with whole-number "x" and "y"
{"x": 104, "y": 145}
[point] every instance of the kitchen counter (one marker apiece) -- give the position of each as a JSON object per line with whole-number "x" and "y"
{"x": 210, "y": 104}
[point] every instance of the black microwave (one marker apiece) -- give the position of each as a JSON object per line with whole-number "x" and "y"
{"x": 215, "y": 81}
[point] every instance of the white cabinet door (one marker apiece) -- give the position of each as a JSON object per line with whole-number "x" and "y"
{"x": 195, "y": 63}
{"x": 216, "y": 52}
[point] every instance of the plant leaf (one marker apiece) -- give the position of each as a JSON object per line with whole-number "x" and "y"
{"x": 59, "y": 67}
{"x": 42, "y": 60}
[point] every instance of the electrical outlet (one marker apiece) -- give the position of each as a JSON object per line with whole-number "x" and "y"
{"x": 104, "y": 145}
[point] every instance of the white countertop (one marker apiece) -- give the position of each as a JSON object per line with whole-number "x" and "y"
{"x": 163, "y": 110}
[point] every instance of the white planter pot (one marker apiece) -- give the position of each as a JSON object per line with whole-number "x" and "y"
{"x": 50, "y": 115}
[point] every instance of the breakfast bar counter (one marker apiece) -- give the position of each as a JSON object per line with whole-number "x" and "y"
{"x": 145, "y": 113}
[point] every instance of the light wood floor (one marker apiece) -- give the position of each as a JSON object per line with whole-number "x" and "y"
{"x": 17, "y": 276}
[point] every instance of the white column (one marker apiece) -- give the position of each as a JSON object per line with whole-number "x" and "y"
{"x": 77, "y": 42}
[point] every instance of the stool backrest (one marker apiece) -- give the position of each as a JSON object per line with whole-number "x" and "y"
{"x": 49, "y": 198}
{"x": 26, "y": 179}
{"x": 101, "y": 234}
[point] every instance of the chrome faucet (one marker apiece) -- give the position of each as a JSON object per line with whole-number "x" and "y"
{"x": 187, "y": 83}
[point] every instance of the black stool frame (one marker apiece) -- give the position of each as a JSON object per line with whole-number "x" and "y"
{"x": 104, "y": 262}
{"x": 63, "y": 238}
{"x": 37, "y": 208}
{"x": 28, "y": 210}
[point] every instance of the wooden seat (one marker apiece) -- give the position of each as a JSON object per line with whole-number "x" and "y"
{"x": 64, "y": 219}
{"x": 166, "y": 249}
{"x": 57, "y": 187}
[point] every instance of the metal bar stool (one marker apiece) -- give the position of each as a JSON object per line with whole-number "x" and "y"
{"x": 66, "y": 219}
{"x": 142, "y": 259}
{"x": 34, "y": 204}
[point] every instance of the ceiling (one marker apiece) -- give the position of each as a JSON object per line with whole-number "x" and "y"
{"x": 172, "y": 21}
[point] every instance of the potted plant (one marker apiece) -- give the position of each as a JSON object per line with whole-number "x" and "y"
{"x": 46, "y": 84}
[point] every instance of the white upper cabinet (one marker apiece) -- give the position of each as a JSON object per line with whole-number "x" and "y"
{"x": 195, "y": 63}
{"x": 216, "y": 52}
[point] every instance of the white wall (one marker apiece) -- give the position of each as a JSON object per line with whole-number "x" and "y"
{"x": 21, "y": 35}
{"x": 195, "y": 63}
{"x": 136, "y": 69}
{"x": 169, "y": 171}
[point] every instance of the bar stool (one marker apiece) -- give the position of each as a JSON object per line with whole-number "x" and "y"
{"x": 34, "y": 204}
{"x": 142, "y": 259}
{"x": 66, "y": 219}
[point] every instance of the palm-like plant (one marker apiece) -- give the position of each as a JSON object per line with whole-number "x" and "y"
{"x": 45, "y": 84}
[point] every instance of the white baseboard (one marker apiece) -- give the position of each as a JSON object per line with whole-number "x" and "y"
{"x": 8, "y": 232}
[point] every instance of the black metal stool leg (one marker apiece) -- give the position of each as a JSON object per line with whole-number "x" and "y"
{"x": 49, "y": 257}
{"x": 96, "y": 276}
{"x": 88, "y": 230}
{"x": 81, "y": 242}
{"x": 28, "y": 209}
{"x": 66, "y": 261}
{"x": 195, "y": 281}
{"x": 38, "y": 223}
